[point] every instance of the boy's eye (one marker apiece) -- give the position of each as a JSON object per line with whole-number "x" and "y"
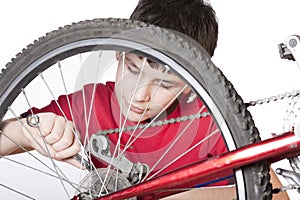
{"x": 133, "y": 69}
{"x": 166, "y": 85}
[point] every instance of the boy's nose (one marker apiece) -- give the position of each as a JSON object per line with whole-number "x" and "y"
{"x": 143, "y": 93}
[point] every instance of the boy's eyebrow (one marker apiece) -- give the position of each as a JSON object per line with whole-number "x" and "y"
{"x": 153, "y": 64}
{"x": 172, "y": 82}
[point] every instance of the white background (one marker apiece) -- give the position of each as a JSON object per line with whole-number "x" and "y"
{"x": 247, "y": 50}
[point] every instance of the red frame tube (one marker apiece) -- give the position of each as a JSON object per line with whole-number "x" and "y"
{"x": 272, "y": 150}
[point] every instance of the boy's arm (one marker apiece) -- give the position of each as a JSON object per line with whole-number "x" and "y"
{"x": 224, "y": 193}
{"x": 212, "y": 193}
{"x": 12, "y": 137}
{"x": 277, "y": 184}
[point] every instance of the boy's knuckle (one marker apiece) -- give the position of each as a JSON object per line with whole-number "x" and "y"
{"x": 77, "y": 146}
{"x": 69, "y": 126}
{"x": 67, "y": 142}
{"x": 56, "y": 136}
{"x": 58, "y": 120}
{"x": 46, "y": 128}
{"x": 49, "y": 116}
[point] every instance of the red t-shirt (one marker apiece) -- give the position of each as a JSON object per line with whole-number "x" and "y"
{"x": 153, "y": 142}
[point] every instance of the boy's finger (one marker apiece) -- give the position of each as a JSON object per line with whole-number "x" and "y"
{"x": 66, "y": 140}
{"x": 57, "y": 131}
{"x": 47, "y": 123}
{"x": 68, "y": 152}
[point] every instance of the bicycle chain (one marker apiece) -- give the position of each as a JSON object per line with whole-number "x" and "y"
{"x": 274, "y": 98}
{"x": 155, "y": 124}
{"x": 197, "y": 116}
{"x": 289, "y": 120}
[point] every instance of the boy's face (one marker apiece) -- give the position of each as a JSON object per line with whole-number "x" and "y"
{"x": 143, "y": 88}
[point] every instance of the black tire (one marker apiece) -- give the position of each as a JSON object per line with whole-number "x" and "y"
{"x": 185, "y": 52}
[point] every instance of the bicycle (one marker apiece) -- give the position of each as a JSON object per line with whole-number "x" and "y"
{"x": 82, "y": 43}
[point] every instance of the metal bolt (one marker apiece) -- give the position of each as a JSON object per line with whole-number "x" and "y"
{"x": 293, "y": 43}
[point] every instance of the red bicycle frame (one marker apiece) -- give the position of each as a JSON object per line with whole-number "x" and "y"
{"x": 272, "y": 150}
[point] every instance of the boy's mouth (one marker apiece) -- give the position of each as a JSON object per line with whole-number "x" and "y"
{"x": 135, "y": 109}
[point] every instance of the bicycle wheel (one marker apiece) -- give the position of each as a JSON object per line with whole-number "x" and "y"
{"x": 118, "y": 134}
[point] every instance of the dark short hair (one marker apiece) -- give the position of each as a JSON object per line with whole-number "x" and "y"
{"x": 194, "y": 18}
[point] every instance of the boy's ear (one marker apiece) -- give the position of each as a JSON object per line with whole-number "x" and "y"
{"x": 187, "y": 90}
{"x": 118, "y": 55}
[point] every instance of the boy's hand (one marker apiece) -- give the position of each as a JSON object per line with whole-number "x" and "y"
{"x": 54, "y": 137}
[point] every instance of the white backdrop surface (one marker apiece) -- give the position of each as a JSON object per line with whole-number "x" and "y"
{"x": 247, "y": 50}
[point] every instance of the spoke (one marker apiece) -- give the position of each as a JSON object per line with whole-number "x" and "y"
{"x": 67, "y": 96}
{"x": 153, "y": 120}
{"x": 82, "y": 150}
{"x": 20, "y": 193}
{"x": 56, "y": 102}
{"x": 27, "y": 101}
{"x": 84, "y": 109}
{"x": 36, "y": 158}
{"x": 61, "y": 110}
{"x": 131, "y": 100}
{"x": 88, "y": 114}
{"x": 145, "y": 110}
{"x": 87, "y": 118}
{"x": 180, "y": 156}
{"x": 121, "y": 105}
{"x": 117, "y": 148}
{"x": 173, "y": 143}
{"x": 52, "y": 94}
{"x": 147, "y": 106}
{"x": 140, "y": 118}
{"x": 40, "y": 171}
{"x": 122, "y": 88}
{"x": 65, "y": 88}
